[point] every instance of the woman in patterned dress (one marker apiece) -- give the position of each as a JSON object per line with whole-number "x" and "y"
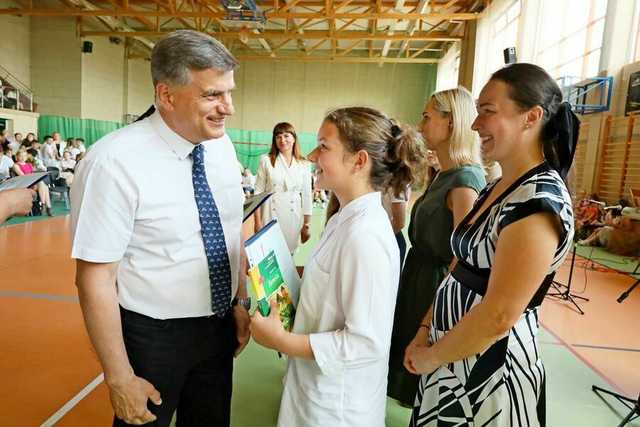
{"x": 477, "y": 349}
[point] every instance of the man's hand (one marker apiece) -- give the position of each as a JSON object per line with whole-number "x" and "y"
{"x": 305, "y": 234}
{"x": 243, "y": 332}
{"x": 129, "y": 400}
{"x": 15, "y": 202}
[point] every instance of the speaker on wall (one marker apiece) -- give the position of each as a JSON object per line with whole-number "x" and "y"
{"x": 510, "y": 55}
{"x": 87, "y": 47}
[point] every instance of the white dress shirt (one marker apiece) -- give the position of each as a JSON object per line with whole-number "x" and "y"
{"x": 6, "y": 164}
{"x": 292, "y": 198}
{"x": 132, "y": 201}
{"x": 49, "y": 155}
{"x": 346, "y": 306}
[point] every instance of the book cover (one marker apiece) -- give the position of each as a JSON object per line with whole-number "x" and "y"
{"x": 272, "y": 273}
{"x": 23, "y": 181}
{"x": 268, "y": 285}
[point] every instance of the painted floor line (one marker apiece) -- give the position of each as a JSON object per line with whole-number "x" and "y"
{"x": 597, "y": 347}
{"x": 603, "y": 347}
{"x": 582, "y": 359}
{"x": 57, "y": 416}
{"x": 50, "y": 297}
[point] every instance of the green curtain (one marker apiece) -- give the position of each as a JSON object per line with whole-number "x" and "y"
{"x": 249, "y": 144}
{"x": 70, "y": 127}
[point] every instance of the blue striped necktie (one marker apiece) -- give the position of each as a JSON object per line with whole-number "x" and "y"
{"x": 212, "y": 236}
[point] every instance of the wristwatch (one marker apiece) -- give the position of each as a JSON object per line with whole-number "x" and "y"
{"x": 244, "y": 302}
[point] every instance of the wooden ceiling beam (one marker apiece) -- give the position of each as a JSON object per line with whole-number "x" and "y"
{"x": 350, "y": 48}
{"x": 261, "y": 3}
{"x": 447, "y": 5}
{"x": 289, "y": 6}
{"x": 345, "y": 25}
{"x": 342, "y": 5}
{"x": 306, "y": 35}
{"x": 392, "y": 29}
{"x": 341, "y": 59}
{"x": 426, "y": 47}
{"x": 315, "y": 47}
{"x": 210, "y": 14}
{"x": 279, "y": 45}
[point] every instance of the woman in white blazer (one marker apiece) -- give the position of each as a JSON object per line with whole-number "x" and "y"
{"x": 286, "y": 173}
{"x": 339, "y": 346}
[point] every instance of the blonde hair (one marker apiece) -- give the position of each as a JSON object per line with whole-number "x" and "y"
{"x": 464, "y": 143}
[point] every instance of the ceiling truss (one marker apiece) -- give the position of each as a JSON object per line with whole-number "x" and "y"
{"x": 351, "y": 31}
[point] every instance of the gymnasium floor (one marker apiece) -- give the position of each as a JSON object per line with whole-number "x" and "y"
{"x": 51, "y": 376}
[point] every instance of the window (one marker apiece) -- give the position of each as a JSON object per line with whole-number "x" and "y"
{"x": 448, "y": 70}
{"x": 636, "y": 57}
{"x": 504, "y": 34}
{"x": 570, "y": 37}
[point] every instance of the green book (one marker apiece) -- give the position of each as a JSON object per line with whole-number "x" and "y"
{"x": 268, "y": 285}
{"x": 272, "y": 274}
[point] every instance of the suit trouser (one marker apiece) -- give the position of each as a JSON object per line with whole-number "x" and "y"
{"x": 189, "y": 361}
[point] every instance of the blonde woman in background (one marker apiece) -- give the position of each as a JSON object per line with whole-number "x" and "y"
{"x": 286, "y": 173}
{"x": 446, "y": 128}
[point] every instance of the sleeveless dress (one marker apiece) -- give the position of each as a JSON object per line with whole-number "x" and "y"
{"x": 429, "y": 257}
{"x": 504, "y": 385}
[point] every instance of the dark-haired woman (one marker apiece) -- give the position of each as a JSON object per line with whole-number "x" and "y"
{"x": 477, "y": 349}
{"x": 286, "y": 173}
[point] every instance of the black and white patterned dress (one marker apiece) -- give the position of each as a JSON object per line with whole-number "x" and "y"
{"x": 504, "y": 385}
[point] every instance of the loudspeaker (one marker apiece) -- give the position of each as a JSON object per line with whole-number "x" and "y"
{"x": 87, "y": 47}
{"x": 510, "y": 55}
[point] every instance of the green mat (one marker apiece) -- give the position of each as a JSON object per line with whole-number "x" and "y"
{"x": 607, "y": 259}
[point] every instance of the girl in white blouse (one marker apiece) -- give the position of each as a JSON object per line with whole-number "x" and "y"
{"x": 339, "y": 347}
{"x": 286, "y": 173}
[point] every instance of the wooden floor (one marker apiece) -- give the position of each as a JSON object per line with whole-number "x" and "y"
{"x": 50, "y": 372}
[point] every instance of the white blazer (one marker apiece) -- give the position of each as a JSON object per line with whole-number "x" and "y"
{"x": 292, "y": 198}
{"x": 347, "y": 302}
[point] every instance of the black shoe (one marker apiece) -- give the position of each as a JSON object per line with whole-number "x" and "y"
{"x": 48, "y": 209}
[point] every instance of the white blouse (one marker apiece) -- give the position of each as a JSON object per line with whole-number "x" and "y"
{"x": 292, "y": 197}
{"x": 346, "y": 305}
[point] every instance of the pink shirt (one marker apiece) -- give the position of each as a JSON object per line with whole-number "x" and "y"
{"x": 26, "y": 168}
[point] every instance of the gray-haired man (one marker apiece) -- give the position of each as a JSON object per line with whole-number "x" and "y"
{"x": 157, "y": 209}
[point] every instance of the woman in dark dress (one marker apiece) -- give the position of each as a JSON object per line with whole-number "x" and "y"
{"x": 446, "y": 128}
{"x": 477, "y": 346}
